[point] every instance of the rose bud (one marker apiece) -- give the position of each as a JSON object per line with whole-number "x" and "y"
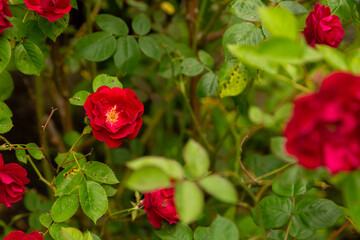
{"x": 323, "y": 28}
{"x": 19, "y": 235}
{"x": 114, "y": 114}
{"x": 50, "y": 9}
{"x": 4, "y": 11}
{"x": 12, "y": 181}
{"x": 324, "y": 128}
{"x": 160, "y": 205}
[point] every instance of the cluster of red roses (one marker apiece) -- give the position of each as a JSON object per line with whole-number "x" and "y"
{"x": 50, "y": 9}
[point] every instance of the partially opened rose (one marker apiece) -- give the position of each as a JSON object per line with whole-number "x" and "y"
{"x": 159, "y": 205}
{"x": 19, "y": 235}
{"x": 4, "y": 13}
{"x": 323, "y": 28}
{"x": 50, "y": 9}
{"x": 325, "y": 126}
{"x": 12, "y": 181}
{"x": 114, "y": 114}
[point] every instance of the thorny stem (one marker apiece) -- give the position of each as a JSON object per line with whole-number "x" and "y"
{"x": 340, "y": 230}
{"x": 239, "y": 146}
{"x": 43, "y": 140}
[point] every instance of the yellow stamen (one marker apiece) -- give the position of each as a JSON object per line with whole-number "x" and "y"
{"x": 112, "y": 116}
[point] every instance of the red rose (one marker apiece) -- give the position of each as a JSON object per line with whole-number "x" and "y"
{"x": 12, "y": 181}
{"x": 114, "y": 114}
{"x": 324, "y": 129}
{"x": 19, "y": 235}
{"x": 160, "y": 205}
{"x": 323, "y": 28}
{"x": 50, "y": 9}
{"x": 4, "y": 11}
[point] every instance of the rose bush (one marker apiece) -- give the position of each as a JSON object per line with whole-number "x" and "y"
{"x": 323, "y": 28}
{"x": 159, "y": 205}
{"x": 52, "y": 10}
{"x": 324, "y": 126}
{"x": 182, "y": 120}
{"x": 4, "y": 13}
{"x": 114, "y": 114}
{"x": 12, "y": 181}
{"x": 19, "y": 235}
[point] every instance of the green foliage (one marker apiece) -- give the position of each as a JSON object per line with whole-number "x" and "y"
{"x": 106, "y": 80}
{"x": 191, "y": 67}
{"x": 222, "y": 228}
{"x": 79, "y": 98}
{"x": 112, "y": 24}
{"x": 127, "y": 54}
{"x": 141, "y": 24}
{"x": 220, "y": 188}
{"x": 53, "y": 29}
{"x": 100, "y": 172}
{"x": 29, "y": 58}
{"x": 196, "y": 159}
{"x": 65, "y": 207}
{"x": 180, "y": 231}
{"x": 5, "y": 53}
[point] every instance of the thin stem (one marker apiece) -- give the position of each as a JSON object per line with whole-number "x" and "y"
{"x": 193, "y": 117}
{"x": 292, "y": 83}
{"x": 340, "y": 230}
{"x": 198, "y": 23}
{"x": 121, "y": 211}
{"x": 291, "y": 220}
{"x": 43, "y": 140}
{"x": 275, "y": 171}
{"x": 38, "y": 172}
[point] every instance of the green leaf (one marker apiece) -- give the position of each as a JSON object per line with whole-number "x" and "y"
{"x": 97, "y": 46}
{"x": 191, "y": 67}
{"x": 141, "y": 24}
{"x": 6, "y": 85}
{"x": 74, "y": 4}
{"x": 246, "y": 9}
{"x": 112, "y": 24}
{"x": 29, "y": 59}
{"x": 5, "y": 125}
{"x": 147, "y": 179}
{"x": 55, "y": 230}
{"x": 233, "y": 78}
{"x": 189, "y": 201}
{"x": 32, "y": 201}
{"x": 127, "y": 55}
{"x": 317, "y": 213}
{"x": 277, "y": 235}
{"x": 342, "y": 8}
{"x": 207, "y": 85}
{"x": 202, "y": 233}
{"x": 53, "y": 29}
{"x": 65, "y": 207}
{"x": 351, "y": 194}
{"x": 35, "y": 153}
{"x": 21, "y": 155}
{"x": 333, "y": 57}
{"x": 88, "y": 236}
{"x": 240, "y": 34}
{"x": 222, "y": 228}
{"x": 170, "y": 167}
{"x": 220, "y": 188}
{"x": 298, "y": 230}
{"x": 110, "y": 191}
{"x": 71, "y": 233}
{"x": 196, "y": 158}
{"x": 67, "y": 181}
{"x": 249, "y": 55}
{"x": 174, "y": 232}
{"x": 79, "y": 98}
{"x": 279, "y": 22}
{"x": 5, "y": 111}
{"x": 93, "y": 200}
{"x": 294, "y": 7}
{"x": 150, "y": 47}
{"x": 205, "y": 58}
{"x": 45, "y": 219}
{"x": 106, "y": 80}
{"x": 100, "y": 172}
{"x": 287, "y": 190}
{"x": 274, "y": 211}
{"x": 282, "y": 50}
{"x": 5, "y": 53}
